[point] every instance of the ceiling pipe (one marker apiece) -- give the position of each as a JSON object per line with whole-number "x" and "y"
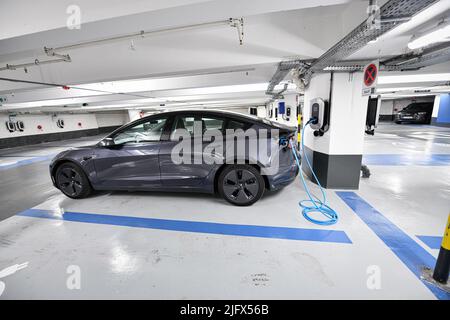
{"x": 237, "y": 23}
{"x": 36, "y": 62}
{"x": 391, "y": 14}
{"x": 284, "y": 67}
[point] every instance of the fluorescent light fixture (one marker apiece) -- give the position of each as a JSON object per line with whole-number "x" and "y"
{"x": 439, "y": 34}
{"x": 405, "y": 95}
{"x": 411, "y": 78}
{"x": 383, "y": 90}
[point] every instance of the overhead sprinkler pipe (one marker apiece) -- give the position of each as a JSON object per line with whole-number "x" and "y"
{"x": 36, "y": 62}
{"x": 237, "y": 23}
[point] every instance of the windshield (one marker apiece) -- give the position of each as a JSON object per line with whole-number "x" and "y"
{"x": 412, "y": 107}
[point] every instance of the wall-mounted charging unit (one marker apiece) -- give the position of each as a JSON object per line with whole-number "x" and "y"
{"x": 20, "y": 126}
{"x": 281, "y": 107}
{"x": 60, "y": 123}
{"x": 320, "y": 113}
{"x": 10, "y": 126}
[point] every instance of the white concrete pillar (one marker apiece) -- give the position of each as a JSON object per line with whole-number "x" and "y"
{"x": 261, "y": 112}
{"x": 336, "y": 156}
{"x": 434, "y": 115}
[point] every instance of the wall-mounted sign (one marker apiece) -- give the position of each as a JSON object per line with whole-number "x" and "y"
{"x": 370, "y": 78}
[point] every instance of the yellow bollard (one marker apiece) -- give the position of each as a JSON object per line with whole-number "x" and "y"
{"x": 439, "y": 276}
{"x": 299, "y": 129}
{"x": 442, "y": 268}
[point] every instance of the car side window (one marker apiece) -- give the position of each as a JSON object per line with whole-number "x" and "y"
{"x": 212, "y": 123}
{"x": 181, "y": 125}
{"x": 187, "y": 123}
{"x": 144, "y": 132}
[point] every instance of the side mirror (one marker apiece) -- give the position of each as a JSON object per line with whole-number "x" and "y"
{"x": 107, "y": 142}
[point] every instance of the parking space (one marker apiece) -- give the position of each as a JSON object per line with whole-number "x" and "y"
{"x": 181, "y": 246}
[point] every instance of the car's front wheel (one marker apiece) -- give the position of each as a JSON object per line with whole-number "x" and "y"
{"x": 72, "y": 181}
{"x": 241, "y": 185}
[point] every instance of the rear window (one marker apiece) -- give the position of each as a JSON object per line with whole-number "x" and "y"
{"x": 419, "y": 107}
{"x": 235, "y": 125}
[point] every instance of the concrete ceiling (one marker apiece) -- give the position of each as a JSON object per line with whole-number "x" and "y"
{"x": 166, "y": 67}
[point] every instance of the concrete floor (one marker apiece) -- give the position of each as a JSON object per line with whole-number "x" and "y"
{"x": 387, "y": 230}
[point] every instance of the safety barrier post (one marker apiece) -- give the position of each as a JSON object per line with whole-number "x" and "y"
{"x": 299, "y": 129}
{"x": 439, "y": 276}
{"x": 442, "y": 268}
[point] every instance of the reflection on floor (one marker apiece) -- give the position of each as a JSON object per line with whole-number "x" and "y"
{"x": 164, "y": 246}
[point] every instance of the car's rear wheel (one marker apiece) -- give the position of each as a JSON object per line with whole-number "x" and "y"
{"x": 72, "y": 181}
{"x": 241, "y": 185}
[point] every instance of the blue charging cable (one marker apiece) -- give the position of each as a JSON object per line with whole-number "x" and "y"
{"x": 313, "y": 204}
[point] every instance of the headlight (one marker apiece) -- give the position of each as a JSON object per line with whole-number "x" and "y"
{"x": 419, "y": 115}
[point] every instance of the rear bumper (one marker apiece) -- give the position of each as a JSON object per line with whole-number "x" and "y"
{"x": 284, "y": 177}
{"x": 409, "y": 118}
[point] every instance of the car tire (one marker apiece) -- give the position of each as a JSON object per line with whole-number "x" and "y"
{"x": 398, "y": 122}
{"x": 72, "y": 181}
{"x": 241, "y": 185}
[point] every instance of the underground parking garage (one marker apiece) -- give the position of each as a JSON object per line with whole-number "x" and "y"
{"x": 225, "y": 150}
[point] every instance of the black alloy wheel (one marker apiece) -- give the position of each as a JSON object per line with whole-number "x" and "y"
{"x": 72, "y": 181}
{"x": 241, "y": 185}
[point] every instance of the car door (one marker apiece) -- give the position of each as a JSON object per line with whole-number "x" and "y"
{"x": 189, "y": 174}
{"x": 132, "y": 162}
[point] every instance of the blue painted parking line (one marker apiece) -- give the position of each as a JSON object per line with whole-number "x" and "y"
{"x": 320, "y": 235}
{"x": 402, "y": 245}
{"x": 407, "y": 160}
{"x": 24, "y": 162}
{"x": 431, "y": 241}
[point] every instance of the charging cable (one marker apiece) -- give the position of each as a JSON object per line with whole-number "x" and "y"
{"x": 313, "y": 204}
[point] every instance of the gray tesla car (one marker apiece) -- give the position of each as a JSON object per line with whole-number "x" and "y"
{"x": 148, "y": 154}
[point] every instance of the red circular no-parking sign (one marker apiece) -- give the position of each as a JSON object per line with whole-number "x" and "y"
{"x": 370, "y": 75}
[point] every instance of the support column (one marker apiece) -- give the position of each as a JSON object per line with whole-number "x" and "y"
{"x": 336, "y": 156}
{"x": 441, "y": 111}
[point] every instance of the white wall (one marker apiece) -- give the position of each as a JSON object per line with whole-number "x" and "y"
{"x": 291, "y": 101}
{"x": 387, "y": 107}
{"x": 31, "y": 122}
{"x": 111, "y": 119}
{"x": 48, "y": 123}
{"x": 245, "y": 110}
{"x": 134, "y": 114}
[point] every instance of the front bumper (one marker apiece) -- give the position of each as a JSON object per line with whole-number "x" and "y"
{"x": 50, "y": 169}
